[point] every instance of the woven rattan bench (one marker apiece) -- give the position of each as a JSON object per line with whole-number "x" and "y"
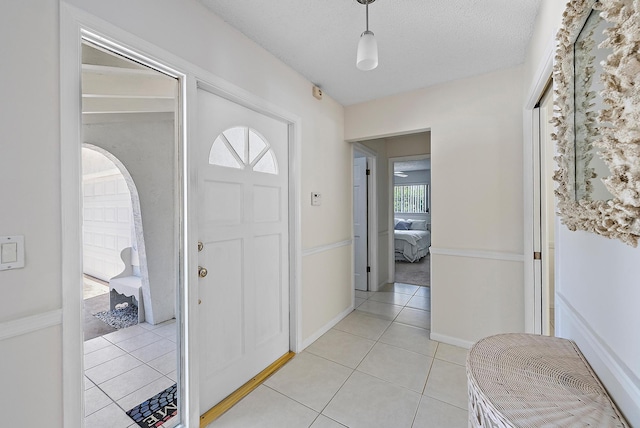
{"x": 525, "y": 380}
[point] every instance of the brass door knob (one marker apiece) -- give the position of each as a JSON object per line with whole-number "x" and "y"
{"x": 202, "y": 272}
{"x": 200, "y": 246}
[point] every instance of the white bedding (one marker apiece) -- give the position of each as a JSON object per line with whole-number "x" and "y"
{"x": 411, "y": 245}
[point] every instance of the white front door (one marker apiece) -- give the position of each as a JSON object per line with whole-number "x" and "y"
{"x": 360, "y": 223}
{"x": 243, "y": 225}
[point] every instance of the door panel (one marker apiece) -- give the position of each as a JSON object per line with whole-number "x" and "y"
{"x": 243, "y": 223}
{"x": 269, "y": 322}
{"x": 224, "y": 263}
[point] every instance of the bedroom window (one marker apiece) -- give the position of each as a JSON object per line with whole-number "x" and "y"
{"x": 412, "y": 198}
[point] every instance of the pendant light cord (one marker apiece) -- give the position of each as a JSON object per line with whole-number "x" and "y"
{"x": 367, "y": 7}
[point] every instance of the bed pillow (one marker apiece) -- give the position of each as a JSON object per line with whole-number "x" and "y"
{"x": 396, "y": 221}
{"x": 419, "y": 225}
{"x": 403, "y": 225}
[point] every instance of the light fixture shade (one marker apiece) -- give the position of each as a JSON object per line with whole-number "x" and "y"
{"x": 367, "y": 58}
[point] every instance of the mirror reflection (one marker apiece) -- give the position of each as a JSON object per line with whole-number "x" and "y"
{"x": 590, "y": 169}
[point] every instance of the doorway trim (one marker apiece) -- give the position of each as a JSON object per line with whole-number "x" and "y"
{"x": 372, "y": 221}
{"x": 532, "y": 279}
{"x": 76, "y": 27}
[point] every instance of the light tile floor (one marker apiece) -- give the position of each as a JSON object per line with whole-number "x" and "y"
{"x": 124, "y": 368}
{"x": 375, "y": 368}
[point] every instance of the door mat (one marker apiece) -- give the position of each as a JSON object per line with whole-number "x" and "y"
{"x": 157, "y": 409}
{"x": 119, "y": 318}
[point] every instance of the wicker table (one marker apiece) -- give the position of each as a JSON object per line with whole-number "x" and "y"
{"x": 525, "y": 380}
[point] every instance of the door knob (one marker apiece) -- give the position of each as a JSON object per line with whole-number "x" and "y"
{"x": 200, "y": 246}
{"x": 202, "y": 272}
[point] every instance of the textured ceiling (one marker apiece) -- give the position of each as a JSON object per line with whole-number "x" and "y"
{"x": 420, "y": 42}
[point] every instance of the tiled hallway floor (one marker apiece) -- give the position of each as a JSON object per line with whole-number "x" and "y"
{"x": 124, "y": 368}
{"x": 376, "y": 368}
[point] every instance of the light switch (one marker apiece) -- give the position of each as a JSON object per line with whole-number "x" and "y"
{"x": 11, "y": 252}
{"x": 316, "y": 198}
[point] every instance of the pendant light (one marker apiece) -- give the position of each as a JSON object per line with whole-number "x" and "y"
{"x": 367, "y": 58}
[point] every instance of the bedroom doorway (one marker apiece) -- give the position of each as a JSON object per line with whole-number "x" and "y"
{"x": 364, "y": 219}
{"x": 410, "y": 194}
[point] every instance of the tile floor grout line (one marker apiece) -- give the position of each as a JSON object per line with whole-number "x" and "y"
{"x": 334, "y": 396}
{"x": 415, "y": 414}
{"x": 424, "y": 388}
{"x": 284, "y": 395}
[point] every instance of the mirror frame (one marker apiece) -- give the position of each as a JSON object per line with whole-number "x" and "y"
{"x": 619, "y": 144}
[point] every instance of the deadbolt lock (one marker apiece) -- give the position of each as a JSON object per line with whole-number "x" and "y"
{"x": 202, "y": 272}
{"x": 200, "y": 246}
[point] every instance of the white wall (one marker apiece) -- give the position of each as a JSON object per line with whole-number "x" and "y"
{"x": 597, "y": 290}
{"x": 409, "y": 145}
{"x": 30, "y": 161}
{"x": 476, "y": 152}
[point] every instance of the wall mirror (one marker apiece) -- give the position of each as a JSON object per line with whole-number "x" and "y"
{"x": 597, "y": 118}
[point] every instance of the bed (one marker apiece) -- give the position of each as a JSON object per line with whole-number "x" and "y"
{"x": 411, "y": 239}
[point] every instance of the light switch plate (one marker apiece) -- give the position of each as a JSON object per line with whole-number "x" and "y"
{"x": 11, "y": 252}
{"x": 316, "y": 198}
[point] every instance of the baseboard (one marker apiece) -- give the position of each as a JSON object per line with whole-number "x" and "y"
{"x": 618, "y": 379}
{"x": 451, "y": 340}
{"x": 315, "y": 336}
{"x": 26, "y": 325}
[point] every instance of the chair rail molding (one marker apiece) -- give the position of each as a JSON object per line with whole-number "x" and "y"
{"x": 478, "y": 254}
{"x": 25, "y": 325}
{"x": 327, "y": 247}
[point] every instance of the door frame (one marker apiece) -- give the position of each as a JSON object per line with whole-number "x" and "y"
{"x": 215, "y": 86}
{"x": 372, "y": 220}
{"x": 75, "y": 27}
{"x": 75, "y": 24}
{"x": 533, "y": 299}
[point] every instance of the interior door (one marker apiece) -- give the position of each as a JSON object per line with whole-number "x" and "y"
{"x": 547, "y": 212}
{"x": 243, "y": 225}
{"x": 544, "y": 216}
{"x": 360, "y": 222}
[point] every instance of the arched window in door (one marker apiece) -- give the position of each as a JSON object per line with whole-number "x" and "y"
{"x": 242, "y": 147}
